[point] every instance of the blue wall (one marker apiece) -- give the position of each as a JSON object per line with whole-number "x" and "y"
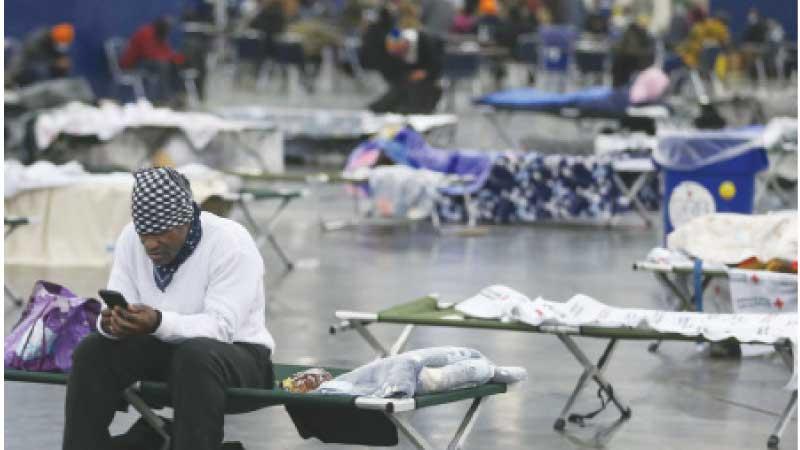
{"x": 784, "y": 11}
{"x": 94, "y": 22}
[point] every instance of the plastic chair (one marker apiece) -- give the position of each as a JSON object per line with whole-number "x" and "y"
{"x": 527, "y": 52}
{"x": 287, "y": 53}
{"x": 113, "y": 47}
{"x": 556, "y": 51}
{"x": 593, "y": 59}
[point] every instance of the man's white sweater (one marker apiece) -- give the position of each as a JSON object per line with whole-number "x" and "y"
{"x": 217, "y": 293}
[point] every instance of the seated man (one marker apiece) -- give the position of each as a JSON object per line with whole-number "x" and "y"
{"x": 43, "y": 56}
{"x": 149, "y": 51}
{"x": 414, "y": 87}
{"x": 194, "y": 284}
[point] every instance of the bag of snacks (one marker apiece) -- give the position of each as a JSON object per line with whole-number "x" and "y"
{"x": 305, "y": 381}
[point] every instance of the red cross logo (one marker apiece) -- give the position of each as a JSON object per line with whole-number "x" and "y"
{"x": 755, "y": 279}
{"x": 778, "y": 303}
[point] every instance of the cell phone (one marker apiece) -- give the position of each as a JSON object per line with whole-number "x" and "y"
{"x": 113, "y": 298}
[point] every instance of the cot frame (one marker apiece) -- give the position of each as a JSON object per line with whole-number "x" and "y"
{"x": 662, "y": 271}
{"x": 264, "y": 233}
{"x": 668, "y": 276}
{"x": 497, "y": 117}
{"x": 146, "y": 396}
{"x": 358, "y": 321}
{"x": 358, "y": 180}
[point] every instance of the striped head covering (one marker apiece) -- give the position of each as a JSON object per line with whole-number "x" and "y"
{"x": 161, "y": 200}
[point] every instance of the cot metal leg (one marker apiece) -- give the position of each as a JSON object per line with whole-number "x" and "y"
{"x": 684, "y": 297}
{"x": 458, "y": 440}
{"x": 472, "y": 214}
{"x": 436, "y": 221}
{"x": 400, "y": 344}
{"x": 465, "y": 428}
{"x": 149, "y": 416}
{"x": 265, "y": 233}
{"x": 561, "y": 422}
{"x": 402, "y": 424}
{"x": 501, "y": 132}
{"x": 631, "y": 194}
{"x": 10, "y": 294}
{"x": 361, "y": 328}
{"x": 596, "y": 373}
{"x": 777, "y": 432}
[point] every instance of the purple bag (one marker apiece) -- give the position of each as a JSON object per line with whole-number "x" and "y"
{"x": 53, "y": 323}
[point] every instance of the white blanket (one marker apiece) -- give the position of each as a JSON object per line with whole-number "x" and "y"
{"x": 41, "y": 174}
{"x": 76, "y": 216}
{"x": 323, "y": 123}
{"x": 110, "y": 119}
{"x": 731, "y": 238}
{"x": 581, "y": 310}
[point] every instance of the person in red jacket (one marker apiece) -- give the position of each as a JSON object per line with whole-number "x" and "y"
{"x": 148, "y": 51}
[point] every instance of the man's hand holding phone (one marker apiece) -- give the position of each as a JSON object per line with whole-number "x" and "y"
{"x": 136, "y": 320}
{"x": 121, "y": 319}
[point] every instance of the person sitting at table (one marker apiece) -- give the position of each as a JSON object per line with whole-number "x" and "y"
{"x": 414, "y": 88}
{"x": 43, "y": 56}
{"x": 149, "y": 51}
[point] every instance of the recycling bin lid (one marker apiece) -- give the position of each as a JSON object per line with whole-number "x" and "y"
{"x": 695, "y": 149}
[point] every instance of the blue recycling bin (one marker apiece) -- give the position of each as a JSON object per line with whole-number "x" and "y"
{"x": 707, "y": 172}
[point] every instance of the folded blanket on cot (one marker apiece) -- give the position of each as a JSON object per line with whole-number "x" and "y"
{"x": 423, "y": 371}
{"x": 732, "y": 238}
{"x": 109, "y": 119}
{"x": 19, "y": 178}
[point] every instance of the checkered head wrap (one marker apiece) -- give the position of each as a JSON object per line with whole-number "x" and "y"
{"x": 161, "y": 200}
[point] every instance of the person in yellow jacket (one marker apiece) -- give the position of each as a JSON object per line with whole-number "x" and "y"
{"x": 711, "y": 31}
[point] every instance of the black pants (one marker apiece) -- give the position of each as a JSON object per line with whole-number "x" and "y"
{"x": 197, "y": 372}
{"x": 412, "y": 97}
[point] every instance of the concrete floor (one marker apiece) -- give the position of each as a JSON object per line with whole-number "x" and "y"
{"x": 680, "y": 397}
